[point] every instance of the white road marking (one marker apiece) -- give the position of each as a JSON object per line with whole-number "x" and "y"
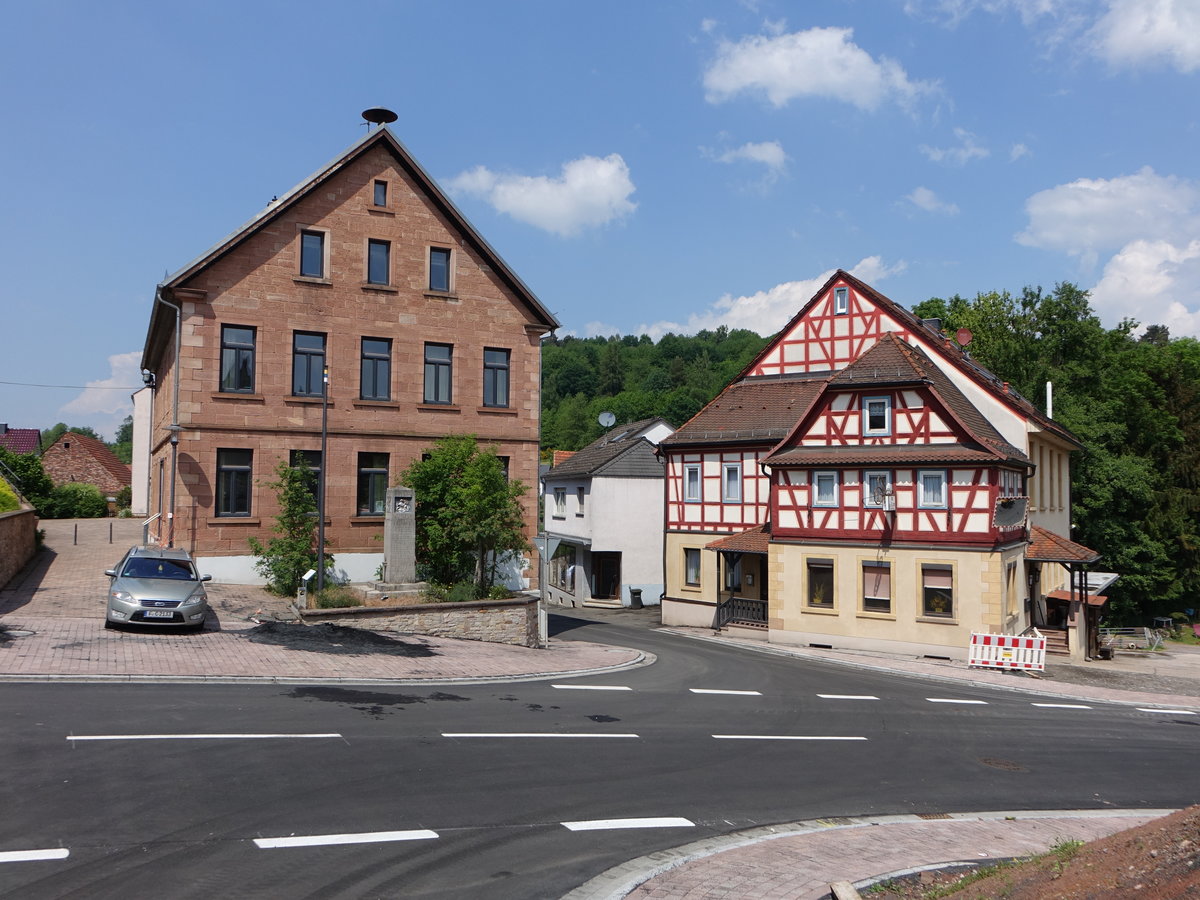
{"x": 533, "y": 734}
{"x": 325, "y": 840}
{"x": 716, "y": 691}
{"x": 847, "y": 697}
{"x": 951, "y": 700}
{"x": 606, "y": 824}
{"x": 1062, "y": 705}
{"x": 591, "y": 687}
{"x": 194, "y": 737}
{"x": 785, "y": 737}
{"x": 1173, "y": 712}
{"x": 33, "y": 855}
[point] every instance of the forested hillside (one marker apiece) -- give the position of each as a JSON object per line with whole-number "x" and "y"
{"x": 1134, "y": 403}
{"x": 634, "y": 378}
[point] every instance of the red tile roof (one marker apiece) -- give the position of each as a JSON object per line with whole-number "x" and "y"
{"x": 1046, "y": 546}
{"x": 756, "y": 409}
{"x": 879, "y": 454}
{"x": 752, "y": 540}
{"x": 20, "y": 440}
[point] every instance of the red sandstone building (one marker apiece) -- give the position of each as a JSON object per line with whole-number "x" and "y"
{"x": 79, "y": 458}
{"x": 365, "y": 268}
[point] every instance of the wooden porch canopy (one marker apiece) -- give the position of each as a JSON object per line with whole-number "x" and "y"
{"x": 1046, "y": 546}
{"x": 752, "y": 540}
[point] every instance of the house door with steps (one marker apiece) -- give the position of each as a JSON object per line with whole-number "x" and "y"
{"x": 606, "y": 576}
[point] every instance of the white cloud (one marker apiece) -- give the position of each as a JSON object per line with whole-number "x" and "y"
{"x": 768, "y": 153}
{"x": 590, "y": 192}
{"x": 1152, "y": 282}
{"x": 820, "y": 62}
{"x": 105, "y": 403}
{"x": 1147, "y": 32}
{"x": 924, "y": 198}
{"x": 1018, "y": 151}
{"x": 1093, "y": 215}
{"x": 967, "y": 150}
{"x": 765, "y": 312}
{"x": 1146, "y": 224}
{"x": 600, "y": 329}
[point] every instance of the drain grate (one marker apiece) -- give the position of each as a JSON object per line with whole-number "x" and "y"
{"x": 932, "y": 816}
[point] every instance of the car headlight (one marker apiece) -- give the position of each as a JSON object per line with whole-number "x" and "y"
{"x": 123, "y": 596}
{"x": 194, "y": 599}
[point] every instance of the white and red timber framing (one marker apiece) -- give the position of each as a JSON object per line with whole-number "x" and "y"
{"x": 864, "y": 484}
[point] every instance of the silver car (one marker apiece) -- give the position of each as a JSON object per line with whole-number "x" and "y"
{"x": 156, "y": 586}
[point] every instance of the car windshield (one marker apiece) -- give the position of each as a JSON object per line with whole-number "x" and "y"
{"x": 175, "y": 569}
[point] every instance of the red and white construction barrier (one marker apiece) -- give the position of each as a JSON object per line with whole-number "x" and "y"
{"x": 1008, "y": 651}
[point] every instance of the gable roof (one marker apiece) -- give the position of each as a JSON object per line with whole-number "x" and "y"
{"x": 945, "y": 347}
{"x": 99, "y": 451}
{"x": 20, "y": 440}
{"x": 604, "y": 454}
{"x": 159, "y": 317}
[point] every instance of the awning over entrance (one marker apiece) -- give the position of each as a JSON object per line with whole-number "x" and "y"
{"x": 1046, "y": 546}
{"x": 753, "y": 540}
{"x": 1092, "y": 599}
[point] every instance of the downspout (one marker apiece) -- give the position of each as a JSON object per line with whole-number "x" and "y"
{"x": 174, "y": 426}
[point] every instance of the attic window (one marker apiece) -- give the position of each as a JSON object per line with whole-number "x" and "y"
{"x": 381, "y": 193}
{"x": 66, "y": 445}
{"x": 841, "y": 301}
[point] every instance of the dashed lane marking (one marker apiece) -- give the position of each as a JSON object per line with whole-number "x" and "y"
{"x": 611, "y": 824}
{"x": 326, "y": 840}
{"x": 591, "y": 687}
{"x": 953, "y": 700}
{"x": 785, "y": 737}
{"x": 8, "y": 856}
{"x": 534, "y": 734}
{"x": 196, "y": 737}
{"x": 847, "y": 697}
{"x": 718, "y": 691}
{"x": 1172, "y": 712}
{"x": 1062, "y": 705}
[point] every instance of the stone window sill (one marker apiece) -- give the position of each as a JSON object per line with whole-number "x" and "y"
{"x": 937, "y": 620}
{"x": 381, "y": 288}
{"x": 887, "y": 617}
{"x": 306, "y": 401}
{"x": 252, "y": 521}
{"x": 235, "y": 396}
{"x": 376, "y": 404}
{"x": 820, "y": 611}
{"x": 439, "y": 407}
{"x": 449, "y": 296}
{"x": 497, "y": 411}
{"x": 381, "y": 211}
{"x": 367, "y": 520}
{"x": 310, "y": 279}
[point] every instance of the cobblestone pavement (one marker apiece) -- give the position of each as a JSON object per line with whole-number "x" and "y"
{"x": 54, "y": 615}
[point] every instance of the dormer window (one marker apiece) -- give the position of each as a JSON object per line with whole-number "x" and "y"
{"x": 877, "y": 415}
{"x": 841, "y": 301}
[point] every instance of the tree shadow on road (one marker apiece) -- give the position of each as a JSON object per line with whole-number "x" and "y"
{"x": 334, "y": 639}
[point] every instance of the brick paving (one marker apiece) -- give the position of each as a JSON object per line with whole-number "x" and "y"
{"x": 60, "y": 598}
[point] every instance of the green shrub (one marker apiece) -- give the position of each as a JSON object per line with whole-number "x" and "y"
{"x": 337, "y": 596}
{"x": 284, "y": 559}
{"x": 76, "y": 501}
{"x": 124, "y": 497}
{"x": 8, "y": 499}
{"x": 463, "y": 592}
{"x": 499, "y": 592}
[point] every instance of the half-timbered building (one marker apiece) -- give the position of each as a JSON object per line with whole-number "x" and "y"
{"x": 863, "y": 483}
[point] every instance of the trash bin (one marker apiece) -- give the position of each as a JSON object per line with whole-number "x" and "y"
{"x": 635, "y": 598}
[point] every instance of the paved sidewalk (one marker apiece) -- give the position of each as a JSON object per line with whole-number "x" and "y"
{"x": 54, "y": 615}
{"x": 799, "y": 861}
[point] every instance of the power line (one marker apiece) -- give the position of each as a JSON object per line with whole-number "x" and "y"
{"x": 77, "y": 387}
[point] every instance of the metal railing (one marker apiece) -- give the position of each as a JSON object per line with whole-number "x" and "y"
{"x": 741, "y": 610}
{"x": 146, "y": 530}
{"x": 1130, "y": 638}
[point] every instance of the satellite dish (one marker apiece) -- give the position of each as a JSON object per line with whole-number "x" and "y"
{"x": 963, "y": 336}
{"x": 607, "y": 419}
{"x": 377, "y": 115}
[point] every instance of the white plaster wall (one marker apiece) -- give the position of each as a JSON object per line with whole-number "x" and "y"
{"x": 139, "y": 468}
{"x": 631, "y": 523}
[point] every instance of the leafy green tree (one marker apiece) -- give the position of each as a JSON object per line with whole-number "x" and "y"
{"x": 32, "y": 480}
{"x": 468, "y": 514}
{"x": 122, "y": 447}
{"x": 293, "y": 551}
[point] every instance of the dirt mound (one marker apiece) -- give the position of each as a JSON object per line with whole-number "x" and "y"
{"x": 1156, "y": 861}
{"x": 336, "y": 639}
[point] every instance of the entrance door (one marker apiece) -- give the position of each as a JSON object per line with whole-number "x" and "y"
{"x": 606, "y": 576}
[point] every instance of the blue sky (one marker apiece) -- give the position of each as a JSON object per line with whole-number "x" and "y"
{"x": 645, "y": 167}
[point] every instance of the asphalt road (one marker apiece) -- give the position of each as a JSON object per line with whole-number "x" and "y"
{"x": 324, "y": 792}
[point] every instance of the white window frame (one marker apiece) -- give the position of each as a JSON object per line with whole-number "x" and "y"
{"x": 841, "y": 301}
{"x": 923, "y": 501}
{"x": 876, "y": 564}
{"x": 727, "y": 495}
{"x": 886, "y": 430}
{"x": 560, "y": 503}
{"x": 688, "y": 495}
{"x": 817, "y": 479}
{"x": 687, "y": 557}
{"x": 580, "y": 495}
{"x": 868, "y": 492}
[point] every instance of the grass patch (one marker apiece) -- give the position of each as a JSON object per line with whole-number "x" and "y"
{"x": 337, "y": 596}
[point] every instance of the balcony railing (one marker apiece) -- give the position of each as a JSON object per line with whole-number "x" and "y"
{"x": 741, "y": 610}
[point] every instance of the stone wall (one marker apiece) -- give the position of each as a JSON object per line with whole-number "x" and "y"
{"x": 17, "y": 542}
{"x": 499, "y": 621}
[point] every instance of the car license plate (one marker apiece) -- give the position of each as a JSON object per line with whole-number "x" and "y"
{"x": 158, "y": 614}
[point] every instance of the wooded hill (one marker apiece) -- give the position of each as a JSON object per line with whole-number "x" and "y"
{"x": 1133, "y": 401}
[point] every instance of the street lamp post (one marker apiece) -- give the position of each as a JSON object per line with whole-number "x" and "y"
{"x": 321, "y": 485}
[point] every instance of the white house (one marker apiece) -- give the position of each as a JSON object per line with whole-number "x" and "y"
{"x": 604, "y": 514}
